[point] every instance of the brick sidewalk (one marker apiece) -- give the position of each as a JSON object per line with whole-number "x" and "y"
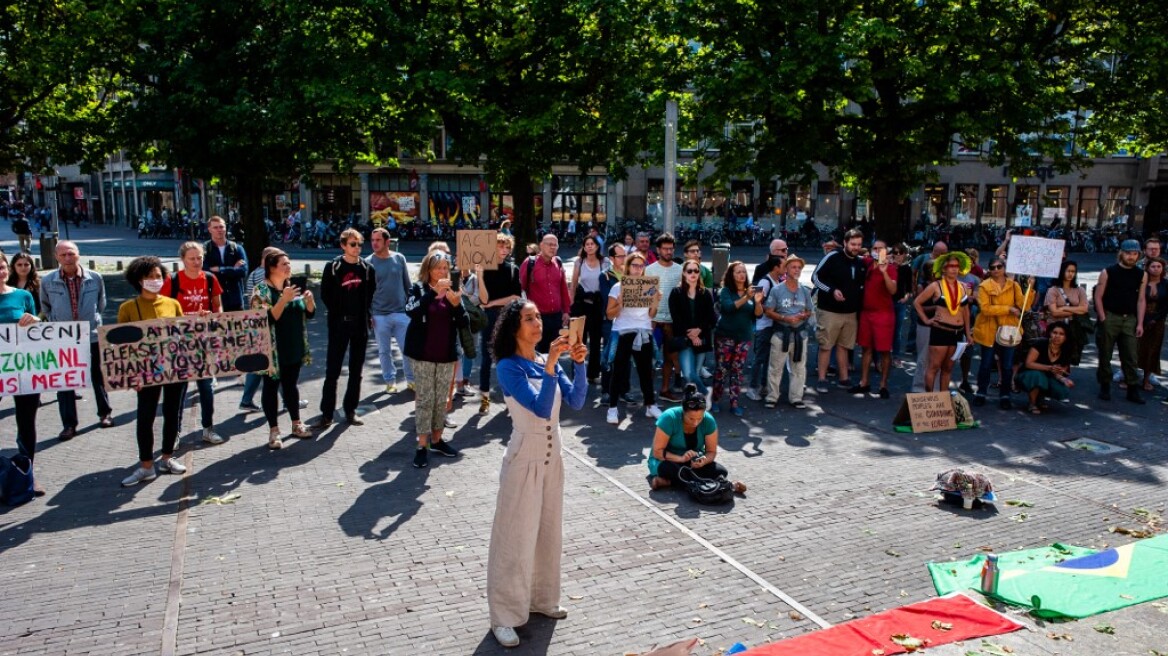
{"x": 338, "y": 545}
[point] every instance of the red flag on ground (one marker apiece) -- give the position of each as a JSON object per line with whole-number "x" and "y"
{"x": 951, "y": 618}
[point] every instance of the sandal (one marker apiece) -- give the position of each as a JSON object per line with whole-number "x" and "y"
{"x": 739, "y": 488}
{"x": 274, "y": 442}
{"x": 300, "y": 430}
{"x": 1034, "y": 410}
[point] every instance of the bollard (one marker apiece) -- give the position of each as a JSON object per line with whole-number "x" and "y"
{"x": 48, "y": 251}
{"x": 119, "y": 265}
{"x": 36, "y": 262}
{"x": 393, "y": 241}
{"x": 174, "y": 266}
{"x": 308, "y": 270}
{"x": 721, "y": 261}
{"x": 92, "y": 265}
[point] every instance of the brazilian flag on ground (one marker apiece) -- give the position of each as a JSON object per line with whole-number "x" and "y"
{"x": 1092, "y": 584}
{"x": 966, "y": 575}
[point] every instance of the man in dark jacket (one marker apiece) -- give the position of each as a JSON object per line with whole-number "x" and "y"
{"x": 347, "y": 289}
{"x": 228, "y": 261}
{"x": 839, "y": 283}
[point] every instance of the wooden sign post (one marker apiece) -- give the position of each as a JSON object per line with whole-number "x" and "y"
{"x": 475, "y": 247}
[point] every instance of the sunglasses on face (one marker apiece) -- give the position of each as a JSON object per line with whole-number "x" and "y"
{"x": 996, "y": 266}
{"x": 692, "y": 271}
{"x": 353, "y": 244}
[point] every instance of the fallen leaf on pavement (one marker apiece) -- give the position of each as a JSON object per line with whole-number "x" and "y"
{"x": 575, "y": 597}
{"x": 942, "y": 626}
{"x": 1019, "y": 517}
{"x": 892, "y": 553}
{"x": 1105, "y": 628}
{"x": 753, "y": 622}
{"x": 908, "y": 642}
{"x": 219, "y": 501}
{"x": 995, "y": 650}
{"x": 1136, "y": 533}
{"x": 449, "y": 493}
{"x": 1019, "y": 503}
{"x": 795, "y": 615}
{"x": 695, "y": 572}
{"x": 1059, "y": 636}
{"x": 877, "y": 652}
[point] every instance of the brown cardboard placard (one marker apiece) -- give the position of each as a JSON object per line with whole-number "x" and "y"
{"x": 928, "y": 412}
{"x": 639, "y": 291}
{"x": 474, "y": 247}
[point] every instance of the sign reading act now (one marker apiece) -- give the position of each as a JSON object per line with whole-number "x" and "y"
{"x": 44, "y": 357}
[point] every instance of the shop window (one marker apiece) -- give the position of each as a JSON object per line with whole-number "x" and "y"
{"x": 995, "y": 204}
{"x": 1055, "y": 203}
{"x": 965, "y": 203}
{"x": 1087, "y": 208}
{"x": 1117, "y": 208}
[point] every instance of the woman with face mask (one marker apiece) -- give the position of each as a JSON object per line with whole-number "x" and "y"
{"x": 147, "y": 276}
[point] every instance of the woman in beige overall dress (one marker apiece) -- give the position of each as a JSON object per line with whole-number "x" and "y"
{"x": 523, "y": 568}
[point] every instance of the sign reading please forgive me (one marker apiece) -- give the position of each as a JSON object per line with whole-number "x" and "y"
{"x": 161, "y": 351}
{"x": 43, "y": 357}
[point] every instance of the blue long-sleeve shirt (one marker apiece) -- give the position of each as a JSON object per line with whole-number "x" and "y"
{"x": 515, "y": 374}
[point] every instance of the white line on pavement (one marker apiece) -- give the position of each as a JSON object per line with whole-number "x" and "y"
{"x": 705, "y": 543}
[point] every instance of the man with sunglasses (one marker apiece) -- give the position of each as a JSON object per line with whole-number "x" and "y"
{"x": 778, "y": 251}
{"x": 347, "y": 290}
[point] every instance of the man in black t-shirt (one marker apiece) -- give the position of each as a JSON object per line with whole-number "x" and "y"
{"x": 1120, "y": 305}
{"x": 347, "y": 291}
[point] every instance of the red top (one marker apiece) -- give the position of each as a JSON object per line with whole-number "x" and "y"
{"x": 876, "y": 296}
{"x": 548, "y": 288}
{"x": 193, "y": 294}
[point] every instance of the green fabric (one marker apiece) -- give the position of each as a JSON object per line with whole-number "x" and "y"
{"x": 1092, "y": 584}
{"x": 963, "y": 575}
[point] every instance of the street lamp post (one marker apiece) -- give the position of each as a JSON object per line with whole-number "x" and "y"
{"x": 670, "y": 196}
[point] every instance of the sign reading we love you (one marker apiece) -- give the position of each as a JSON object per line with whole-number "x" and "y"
{"x": 161, "y": 351}
{"x": 43, "y": 357}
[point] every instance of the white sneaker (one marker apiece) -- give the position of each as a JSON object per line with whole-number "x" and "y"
{"x": 303, "y": 404}
{"x": 449, "y": 423}
{"x": 211, "y": 437}
{"x": 171, "y": 466}
{"x": 613, "y": 416}
{"x": 506, "y": 636}
{"x": 752, "y": 394}
{"x": 652, "y": 411}
{"x": 706, "y": 373}
{"x": 140, "y": 475}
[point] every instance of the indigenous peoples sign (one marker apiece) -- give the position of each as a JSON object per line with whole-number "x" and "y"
{"x": 43, "y": 357}
{"x": 161, "y": 351}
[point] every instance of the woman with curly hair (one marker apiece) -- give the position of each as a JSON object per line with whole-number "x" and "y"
{"x": 147, "y": 276}
{"x": 523, "y": 565}
{"x": 23, "y": 274}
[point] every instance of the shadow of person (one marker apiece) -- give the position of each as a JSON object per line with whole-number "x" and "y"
{"x": 401, "y": 497}
{"x": 534, "y": 638}
{"x": 85, "y": 501}
{"x": 611, "y": 448}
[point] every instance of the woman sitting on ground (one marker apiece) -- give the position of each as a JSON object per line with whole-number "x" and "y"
{"x": 1047, "y": 373}
{"x": 687, "y": 436}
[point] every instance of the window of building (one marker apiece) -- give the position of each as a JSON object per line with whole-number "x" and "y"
{"x": 937, "y": 202}
{"x": 965, "y": 203}
{"x": 1025, "y": 205}
{"x": 995, "y": 208}
{"x": 1055, "y": 203}
{"x": 1087, "y": 208}
{"x": 1117, "y": 209}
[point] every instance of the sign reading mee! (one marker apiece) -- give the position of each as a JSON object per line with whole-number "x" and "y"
{"x": 161, "y": 351}
{"x": 43, "y": 357}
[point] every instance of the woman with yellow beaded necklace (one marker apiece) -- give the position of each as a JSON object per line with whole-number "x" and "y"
{"x": 951, "y": 320}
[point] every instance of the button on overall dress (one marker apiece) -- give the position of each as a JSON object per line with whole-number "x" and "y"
{"x": 523, "y": 566}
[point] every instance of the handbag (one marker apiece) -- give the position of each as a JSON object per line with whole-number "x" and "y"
{"x": 1011, "y": 336}
{"x": 707, "y": 491}
{"x": 16, "y": 481}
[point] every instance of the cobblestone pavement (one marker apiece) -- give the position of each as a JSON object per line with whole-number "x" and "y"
{"x": 337, "y": 545}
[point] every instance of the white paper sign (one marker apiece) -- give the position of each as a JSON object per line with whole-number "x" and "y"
{"x": 43, "y": 357}
{"x": 1035, "y": 256}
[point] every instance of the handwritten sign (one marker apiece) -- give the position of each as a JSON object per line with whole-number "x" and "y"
{"x": 1035, "y": 256}
{"x": 477, "y": 247}
{"x": 930, "y": 412}
{"x": 161, "y": 351}
{"x": 44, "y": 357}
{"x": 639, "y": 292}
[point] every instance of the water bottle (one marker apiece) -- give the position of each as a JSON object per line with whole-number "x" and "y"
{"x": 989, "y": 575}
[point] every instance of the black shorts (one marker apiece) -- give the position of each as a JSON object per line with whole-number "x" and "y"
{"x": 945, "y": 335}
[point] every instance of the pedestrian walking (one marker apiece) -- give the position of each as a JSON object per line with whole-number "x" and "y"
{"x": 199, "y": 293}
{"x": 523, "y": 563}
{"x": 391, "y": 271}
{"x": 633, "y": 329}
{"x": 1120, "y": 306}
{"x": 289, "y": 308}
{"x": 347, "y": 289}
{"x": 436, "y": 314}
{"x": 740, "y": 305}
{"x": 499, "y": 287}
{"x": 147, "y": 276}
{"x": 72, "y": 293}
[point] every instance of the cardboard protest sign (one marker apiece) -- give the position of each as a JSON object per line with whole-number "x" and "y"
{"x": 475, "y": 247}
{"x": 639, "y": 291}
{"x": 161, "y": 351}
{"x": 44, "y": 357}
{"x": 1034, "y": 256}
{"x": 928, "y": 412}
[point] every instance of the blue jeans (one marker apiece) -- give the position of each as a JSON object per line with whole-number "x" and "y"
{"x": 761, "y": 357}
{"x": 1006, "y": 359}
{"x": 251, "y": 385}
{"x": 691, "y": 367}
{"x": 387, "y": 327}
{"x": 206, "y": 400}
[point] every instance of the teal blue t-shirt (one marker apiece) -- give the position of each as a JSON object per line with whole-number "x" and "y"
{"x": 672, "y": 423}
{"x": 14, "y": 304}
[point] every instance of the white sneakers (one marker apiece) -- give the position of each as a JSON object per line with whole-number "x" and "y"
{"x": 211, "y": 437}
{"x": 557, "y": 613}
{"x": 652, "y": 411}
{"x": 753, "y": 394}
{"x": 140, "y": 475}
{"x": 506, "y": 636}
{"x": 171, "y": 466}
{"x": 613, "y": 416}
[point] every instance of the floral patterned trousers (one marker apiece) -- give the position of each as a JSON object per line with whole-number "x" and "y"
{"x": 731, "y": 357}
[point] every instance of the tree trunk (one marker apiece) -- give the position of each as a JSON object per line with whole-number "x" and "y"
{"x": 888, "y": 212}
{"x": 249, "y": 190}
{"x": 522, "y": 196}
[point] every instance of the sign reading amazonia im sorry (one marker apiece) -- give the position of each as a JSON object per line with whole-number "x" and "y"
{"x": 43, "y": 357}
{"x": 161, "y": 351}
